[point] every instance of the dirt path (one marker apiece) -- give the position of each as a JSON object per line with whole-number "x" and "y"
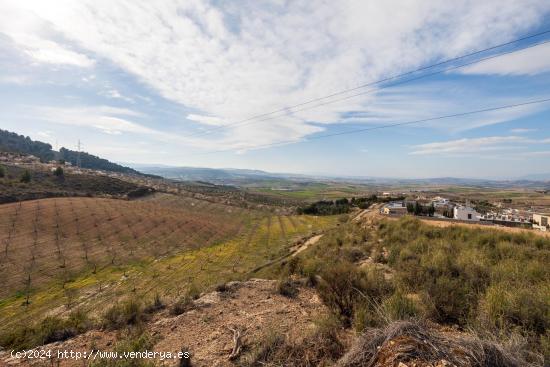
{"x": 312, "y": 241}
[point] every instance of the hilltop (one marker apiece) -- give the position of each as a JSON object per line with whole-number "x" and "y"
{"x": 15, "y": 143}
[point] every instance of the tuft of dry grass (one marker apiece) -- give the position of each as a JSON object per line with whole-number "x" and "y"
{"x": 320, "y": 347}
{"x": 414, "y": 341}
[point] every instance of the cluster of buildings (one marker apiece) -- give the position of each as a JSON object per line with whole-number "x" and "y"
{"x": 445, "y": 209}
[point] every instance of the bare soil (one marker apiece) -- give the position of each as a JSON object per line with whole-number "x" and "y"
{"x": 253, "y": 307}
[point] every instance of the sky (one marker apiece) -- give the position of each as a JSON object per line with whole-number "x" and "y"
{"x": 192, "y": 83}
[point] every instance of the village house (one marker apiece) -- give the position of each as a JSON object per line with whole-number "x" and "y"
{"x": 466, "y": 213}
{"x": 440, "y": 202}
{"x": 541, "y": 222}
{"x": 396, "y": 207}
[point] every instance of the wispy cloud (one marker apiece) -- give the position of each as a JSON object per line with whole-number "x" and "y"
{"x": 531, "y": 61}
{"x": 110, "y": 120}
{"x": 115, "y": 94}
{"x": 520, "y": 145}
{"x": 522, "y": 130}
{"x": 207, "y": 120}
{"x": 231, "y": 62}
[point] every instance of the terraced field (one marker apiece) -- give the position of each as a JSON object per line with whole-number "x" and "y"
{"x": 66, "y": 253}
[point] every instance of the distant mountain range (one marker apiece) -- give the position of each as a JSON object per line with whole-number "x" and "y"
{"x": 217, "y": 175}
{"x": 13, "y": 142}
{"x": 246, "y": 176}
{"x": 536, "y": 177}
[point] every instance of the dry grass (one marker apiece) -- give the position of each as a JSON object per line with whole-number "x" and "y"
{"x": 408, "y": 342}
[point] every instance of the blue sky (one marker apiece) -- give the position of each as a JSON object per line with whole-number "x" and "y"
{"x": 148, "y": 81}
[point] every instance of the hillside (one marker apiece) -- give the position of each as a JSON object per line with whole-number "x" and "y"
{"x": 251, "y": 323}
{"x": 59, "y": 255}
{"x": 152, "y": 274}
{"x": 45, "y": 184}
{"x": 12, "y": 142}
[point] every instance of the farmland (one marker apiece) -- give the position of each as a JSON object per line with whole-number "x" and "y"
{"x": 65, "y": 253}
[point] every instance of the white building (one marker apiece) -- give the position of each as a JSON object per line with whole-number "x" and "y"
{"x": 396, "y": 207}
{"x": 541, "y": 222}
{"x": 465, "y": 213}
{"x": 440, "y": 202}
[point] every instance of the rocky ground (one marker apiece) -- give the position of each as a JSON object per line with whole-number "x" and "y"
{"x": 251, "y": 308}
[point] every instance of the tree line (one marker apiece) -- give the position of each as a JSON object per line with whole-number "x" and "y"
{"x": 344, "y": 205}
{"x": 15, "y": 143}
{"x": 419, "y": 209}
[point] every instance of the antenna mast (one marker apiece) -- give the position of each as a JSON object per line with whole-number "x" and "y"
{"x": 78, "y": 162}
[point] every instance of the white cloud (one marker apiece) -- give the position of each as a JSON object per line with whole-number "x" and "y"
{"x": 519, "y": 145}
{"x": 115, "y": 94}
{"x": 469, "y": 145}
{"x": 522, "y": 131}
{"x": 110, "y": 120}
{"x": 235, "y": 60}
{"x": 207, "y": 120}
{"x": 52, "y": 53}
{"x": 531, "y": 61}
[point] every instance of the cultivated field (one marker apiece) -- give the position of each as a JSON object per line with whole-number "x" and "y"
{"x": 66, "y": 253}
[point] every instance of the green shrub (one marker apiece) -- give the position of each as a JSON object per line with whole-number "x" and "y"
{"x": 399, "y": 307}
{"x": 26, "y": 177}
{"x": 344, "y": 287}
{"x": 49, "y": 330}
{"x": 506, "y": 306}
{"x": 122, "y": 314}
{"x": 366, "y": 316}
{"x": 58, "y": 172}
{"x": 193, "y": 291}
{"x": 2, "y": 172}
{"x": 156, "y": 305}
{"x": 451, "y": 299}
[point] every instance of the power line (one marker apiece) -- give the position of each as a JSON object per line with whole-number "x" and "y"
{"x": 285, "y": 109}
{"x": 355, "y": 131}
{"x": 399, "y": 83}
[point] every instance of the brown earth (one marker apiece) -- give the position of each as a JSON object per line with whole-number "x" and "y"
{"x": 253, "y": 307}
{"x": 44, "y": 240}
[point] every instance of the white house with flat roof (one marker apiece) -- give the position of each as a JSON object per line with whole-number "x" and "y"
{"x": 541, "y": 222}
{"x": 465, "y": 213}
{"x": 395, "y": 207}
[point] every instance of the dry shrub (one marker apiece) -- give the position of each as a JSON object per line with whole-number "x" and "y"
{"x": 129, "y": 312}
{"x": 344, "y": 289}
{"x": 182, "y": 305}
{"x": 50, "y": 329}
{"x": 320, "y": 347}
{"x": 399, "y": 307}
{"x": 185, "y": 303}
{"x": 408, "y": 341}
{"x": 287, "y": 288}
{"x": 156, "y": 305}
